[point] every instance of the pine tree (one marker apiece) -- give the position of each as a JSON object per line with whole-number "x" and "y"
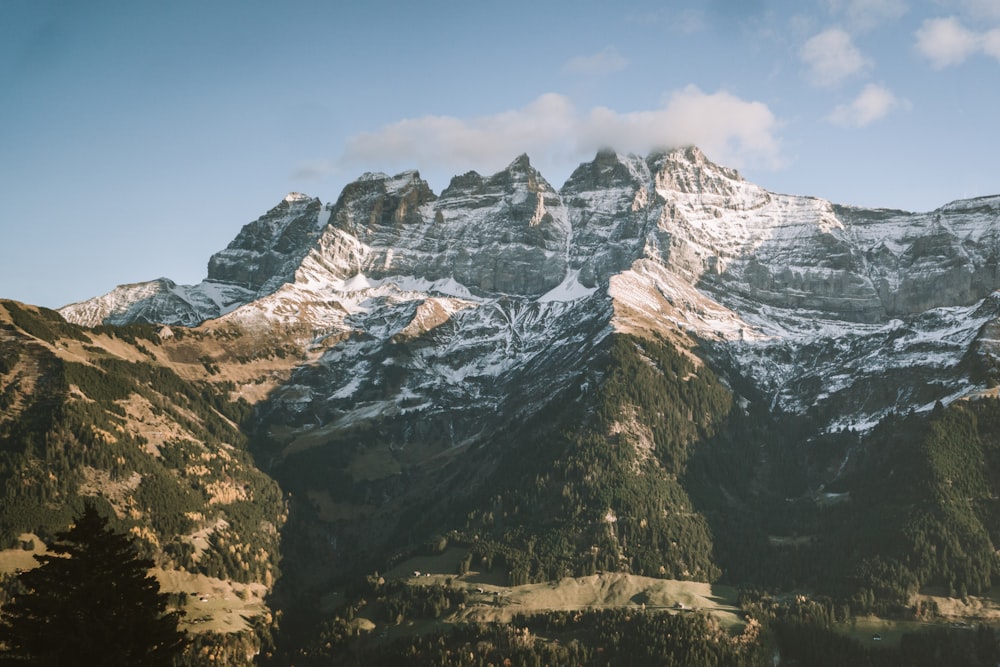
{"x": 91, "y": 601}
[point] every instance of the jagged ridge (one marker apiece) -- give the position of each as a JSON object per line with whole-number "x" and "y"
{"x": 806, "y": 298}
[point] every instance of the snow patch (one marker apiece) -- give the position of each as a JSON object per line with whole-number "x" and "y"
{"x": 356, "y": 283}
{"x": 446, "y": 286}
{"x": 569, "y": 289}
{"x": 348, "y": 389}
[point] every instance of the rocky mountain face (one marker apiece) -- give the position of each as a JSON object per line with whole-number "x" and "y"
{"x": 267, "y": 251}
{"x": 814, "y": 303}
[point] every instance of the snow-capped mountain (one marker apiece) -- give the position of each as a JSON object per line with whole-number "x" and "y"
{"x": 428, "y": 303}
{"x": 659, "y": 368}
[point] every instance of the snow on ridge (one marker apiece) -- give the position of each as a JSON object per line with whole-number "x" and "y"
{"x": 326, "y": 303}
{"x": 987, "y": 201}
{"x": 401, "y": 181}
{"x": 359, "y": 282}
{"x": 202, "y": 301}
{"x": 637, "y": 167}
{"x": 393, "y": 184}
{"x": 834, "y": 356}
{"x": 865, "y": 422}
{"x": 447, "y": 286}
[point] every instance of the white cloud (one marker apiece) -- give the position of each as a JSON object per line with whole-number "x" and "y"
{"x": 832, "y": 57}
{"x": 946, "y": 42}
{"x": 602, "y": 63}
{"x": 874, "y": 103}
{"x": 485, "y": 142}
{"x": 731, "y": 130}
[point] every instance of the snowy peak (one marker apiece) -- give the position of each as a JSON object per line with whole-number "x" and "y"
{"x": 521, "y": 173}
{"x": 516, "y": 182}
{"x": 158, "y": 301}
{"x": 377, "y": 204}
{"x": 519, "y": 177}
{"x": 296, "y": 197}
{"x": 607, "y": 171}
{"x": 682, "y": 171}
{"x": 266, "y": 252}
{"x": 512, "y": 233}
{"x": 688, "y": 171}
{"x": 503, "y": 234}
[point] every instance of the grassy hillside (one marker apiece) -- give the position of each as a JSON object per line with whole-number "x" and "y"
{"x": 95, "y": 413}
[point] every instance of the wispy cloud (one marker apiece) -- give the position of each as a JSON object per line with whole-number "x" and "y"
{"x": 872, "y": 104}
{"x": 867, "y": 14}
{"x": 601, "y": 63}
{"x": 991, "y": 43}
{"x": 555, "y": 134}
{"x": 980, "y": 10}
{"x": 946, "y": 42}
{"x": 831, "y": 57}
{"x": 314, "y": 170}
{"x": 689, "y": 21}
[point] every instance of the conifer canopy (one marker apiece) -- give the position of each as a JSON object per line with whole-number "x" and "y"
{"x": 91, "y": 601}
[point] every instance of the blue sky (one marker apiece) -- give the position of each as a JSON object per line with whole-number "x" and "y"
{"x": 137, "y": 138}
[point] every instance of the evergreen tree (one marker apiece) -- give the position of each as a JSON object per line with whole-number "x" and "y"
{"x": 91, "y": 601}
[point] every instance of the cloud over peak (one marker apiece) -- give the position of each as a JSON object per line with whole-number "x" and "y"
{"x": 731, "y": 130}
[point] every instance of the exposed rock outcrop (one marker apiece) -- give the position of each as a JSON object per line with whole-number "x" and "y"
{"x": 267, "y": 252}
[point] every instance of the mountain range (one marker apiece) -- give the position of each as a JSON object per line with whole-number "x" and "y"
{"x": 819, "y": 306}
{"x": 659, "y": 369}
